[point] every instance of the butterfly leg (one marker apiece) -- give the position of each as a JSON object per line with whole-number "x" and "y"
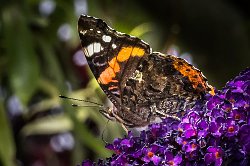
{"x": 124, "y": 128}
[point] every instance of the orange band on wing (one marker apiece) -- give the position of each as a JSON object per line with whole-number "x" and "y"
{"x": 109, "y": 73}
{"x": 106, "y": 76}
{"x": 138, "y": 52}
{"x": 114, "y": 65}
{"x": 124, "y": 54}
{"x": 193, "y": 75}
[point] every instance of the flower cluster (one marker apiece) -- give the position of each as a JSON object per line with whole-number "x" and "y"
{"x": 216, "y": 131}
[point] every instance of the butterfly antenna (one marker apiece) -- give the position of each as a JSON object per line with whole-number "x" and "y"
{"x": 75, "y": 105}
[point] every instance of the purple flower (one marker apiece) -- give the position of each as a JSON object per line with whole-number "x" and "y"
{"x": 203, "y": 128}
{"x": 238, "y": 114}
{"x": 246, "y": 88}
{"x": 231, "y": 127}
{"x": 87, "y": 163}
{"x": 216, "y": 126}
{"x": 244, "y": 137}
{"x": 226, "y": 106}
{"x": 214, "y": 156}
{"x": 214, "y": 102}
{"x": 216, "y": 112}
{"x": 216, "y": 131}
{"x": 172, "y": 160}
{"x": 149, "y": 154}
{"x": 237, "y": 86}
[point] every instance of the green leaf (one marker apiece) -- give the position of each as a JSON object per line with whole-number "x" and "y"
{"x": 47, "y": 125}
{"x": 23, "y": 63}
{"x": 7, "y": 148}
{"x": 141, "y": 29}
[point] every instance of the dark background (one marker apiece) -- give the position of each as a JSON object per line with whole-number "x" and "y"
{"x": 40, "y": 59}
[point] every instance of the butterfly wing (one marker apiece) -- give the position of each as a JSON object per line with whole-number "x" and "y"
{"x": 112, "y": 56}
{"x": 164, "y": 85}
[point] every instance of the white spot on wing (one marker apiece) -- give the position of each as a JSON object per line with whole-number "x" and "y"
{"x": 106, "y": 38}
{"x": 97, "y": 47}
{"x": 83, "y": 32}
{"x": 93, "y": 48}
{"x": 113, "y": 46}
{"x": 90, "y": 50}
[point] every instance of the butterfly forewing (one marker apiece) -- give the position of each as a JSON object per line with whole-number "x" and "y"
{"x": 109, "y": 53}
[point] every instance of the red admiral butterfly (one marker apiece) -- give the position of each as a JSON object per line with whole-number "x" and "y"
{"x": 142, "y": 84}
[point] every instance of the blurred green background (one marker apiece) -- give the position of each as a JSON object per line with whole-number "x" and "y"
{"x": 41, "y": 58}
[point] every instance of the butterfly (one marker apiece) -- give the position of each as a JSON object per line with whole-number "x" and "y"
{"x": 142, "y": 85}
